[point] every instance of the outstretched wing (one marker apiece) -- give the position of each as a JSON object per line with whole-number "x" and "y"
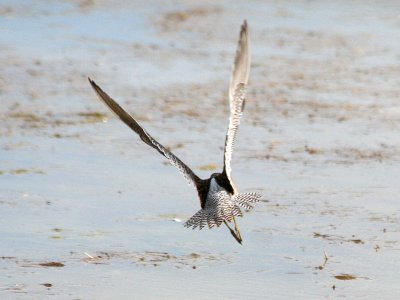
{"x": 237, "y": 93}
{"x": 192, "y": 178}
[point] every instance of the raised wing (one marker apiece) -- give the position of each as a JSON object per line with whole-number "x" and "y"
{"x": 192, "y": 178}
{"x": 237, "y": 93}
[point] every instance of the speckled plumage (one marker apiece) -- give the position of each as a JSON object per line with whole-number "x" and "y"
{"x": 221, "y": 205}
{"x": 220, "y": 202}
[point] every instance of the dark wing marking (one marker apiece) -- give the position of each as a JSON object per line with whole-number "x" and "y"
{"x": 192, "y": 178}
{"x": 237, "y": 93}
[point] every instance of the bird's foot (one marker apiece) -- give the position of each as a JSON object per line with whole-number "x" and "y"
{"x": 235, "y": 233}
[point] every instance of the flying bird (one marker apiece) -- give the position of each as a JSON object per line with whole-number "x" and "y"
{"x": 219, "y": 199}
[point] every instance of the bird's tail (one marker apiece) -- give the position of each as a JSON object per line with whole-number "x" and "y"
{"x": 213, "y": 217}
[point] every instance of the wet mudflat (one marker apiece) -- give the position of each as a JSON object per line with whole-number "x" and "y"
{"x": 89, "y": 212}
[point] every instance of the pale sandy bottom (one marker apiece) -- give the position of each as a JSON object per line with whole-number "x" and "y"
{"x": 87, "y": 211}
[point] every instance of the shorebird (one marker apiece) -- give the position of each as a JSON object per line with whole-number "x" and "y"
{"x": 219, "y": 199}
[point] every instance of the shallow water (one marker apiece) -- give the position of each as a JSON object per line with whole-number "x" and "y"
{"x": 80, "y": 218}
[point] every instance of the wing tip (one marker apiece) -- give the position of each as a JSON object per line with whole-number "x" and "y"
{"x": 97, "y": 89}
{"x": 244, "y": 24}
{"x": 242, "y": 62}
{"x": 244, "y": 27}
{"x": 92, "y": 83}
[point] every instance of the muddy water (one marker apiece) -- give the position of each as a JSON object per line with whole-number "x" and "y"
{"x": 89, "y": 212}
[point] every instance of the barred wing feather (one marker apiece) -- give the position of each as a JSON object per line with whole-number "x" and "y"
{"x": 245, "y": 200}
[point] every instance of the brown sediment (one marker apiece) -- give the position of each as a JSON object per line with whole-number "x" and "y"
{"x": 149, "y": 258}
{"x": 337, "y": 238}
{"x": 52, "y": 264}
{"x": 345, "y": 277}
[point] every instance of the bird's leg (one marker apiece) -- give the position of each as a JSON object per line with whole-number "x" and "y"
{"x": 237, "y": 230}
{"x": 237, "y": 238}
